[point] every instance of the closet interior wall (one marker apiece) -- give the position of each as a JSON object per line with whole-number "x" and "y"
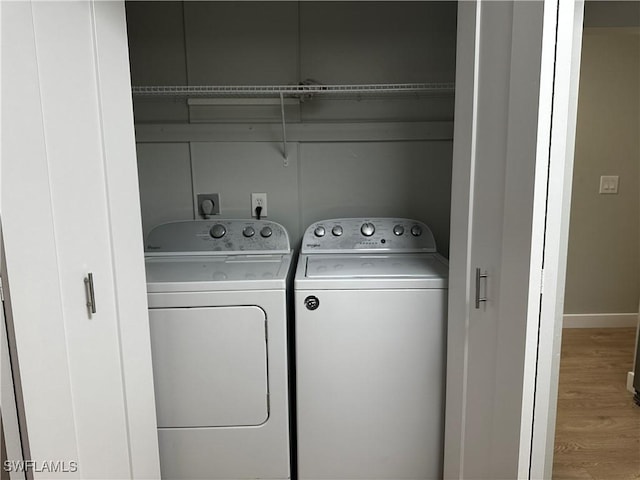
{"x": 356, "y": 155}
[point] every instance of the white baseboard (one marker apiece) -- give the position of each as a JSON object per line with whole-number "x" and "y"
{"x": 630, "y": 382}
{"x": 599, "y": 320}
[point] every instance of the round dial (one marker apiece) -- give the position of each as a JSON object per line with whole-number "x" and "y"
{"x": 319, "y": 231}
{"x": 337, "y": 230}
{"x": 367, "y": 229}
{"x": 266, "y": 232}
{"x": 416, "y": 230}
{"x": 398, "y": 230}
{"x": 248, "y": 232}
{"x": 217, "y": 231}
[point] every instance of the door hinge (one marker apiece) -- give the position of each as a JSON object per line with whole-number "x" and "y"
{"x": 1, "y": 291}
{"x": 541, "y": 281}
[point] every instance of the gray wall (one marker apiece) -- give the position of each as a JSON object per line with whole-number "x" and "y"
{"x": 262, "y": 43}
{"x": 611, "y": 13}
{"x": 282, "y": 43}
{"x": 603, "y": 259}
{"x": 322, "y": 180}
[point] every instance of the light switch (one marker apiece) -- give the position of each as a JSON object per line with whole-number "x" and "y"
{"x": 609, "y": 184}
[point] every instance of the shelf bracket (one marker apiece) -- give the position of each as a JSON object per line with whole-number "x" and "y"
{"x": 284, "y": 132}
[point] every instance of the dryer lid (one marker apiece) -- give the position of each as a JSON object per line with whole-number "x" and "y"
{"x": 212, "y": 273}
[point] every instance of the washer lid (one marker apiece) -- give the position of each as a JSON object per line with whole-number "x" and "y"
{"x": 375, "y": 266}
{"x": 202, "y": 273}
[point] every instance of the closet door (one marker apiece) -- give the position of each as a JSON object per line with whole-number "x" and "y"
{"x": 505, "y": 85}
{"x": 71, "y": 222}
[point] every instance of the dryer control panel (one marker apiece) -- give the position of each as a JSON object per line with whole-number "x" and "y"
{"x": 220, "y": 236}
{"x": 368, "y": 234}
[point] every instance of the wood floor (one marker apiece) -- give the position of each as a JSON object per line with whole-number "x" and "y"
{"x": 598, "y": 424}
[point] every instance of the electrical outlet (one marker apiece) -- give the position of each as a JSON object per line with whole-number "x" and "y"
{"x": 609, "y": 184}
{"x": 259, "y": 200}
{"x": 205, "y": 210}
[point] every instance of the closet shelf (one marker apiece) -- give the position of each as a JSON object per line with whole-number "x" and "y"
{"x": 444, "y": 89}
{"x": 308, "y": 89}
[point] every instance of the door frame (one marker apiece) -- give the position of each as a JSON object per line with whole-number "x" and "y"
{"x": 559, "y": 179}
{"x": 555, "y": 138}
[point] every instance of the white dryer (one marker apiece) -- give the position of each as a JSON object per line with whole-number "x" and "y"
{"x": 370, "y": 305}
{"x": 218, "y": 321}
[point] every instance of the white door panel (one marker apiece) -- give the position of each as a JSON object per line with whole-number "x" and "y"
{"x": 81, "y": 232}
{"x": 82, "y": 376}
{"x": 487, "y": 340}
{"x": 28, "y": 242}
{"x": 486, "y": 233}
{"x": 504, "y": 92}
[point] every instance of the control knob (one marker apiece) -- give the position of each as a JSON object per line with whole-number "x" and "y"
{"x": 218, "y": 231}
{"x": 398, "y": 230}
{"x": 367, "y": 229}
{"x": 248, "y": 232}
{"x": 337, "y": 231}
{"x": 266, "y": 232}
{"x": 319, "y": 231}
{"x": 416, "y": 230}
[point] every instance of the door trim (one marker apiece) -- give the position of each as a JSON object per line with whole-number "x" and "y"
{"x": 568, "y": 49}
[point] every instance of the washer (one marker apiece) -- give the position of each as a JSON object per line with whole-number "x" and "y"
{"x": 218, "y": 321}
{"x": 370, "y": 305}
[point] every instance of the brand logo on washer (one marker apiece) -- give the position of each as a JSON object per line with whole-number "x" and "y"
{"x": 311, "y": 302}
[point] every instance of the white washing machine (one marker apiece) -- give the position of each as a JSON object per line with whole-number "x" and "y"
{"x": 218, "y": 321}
{"x": 370, "y": 305}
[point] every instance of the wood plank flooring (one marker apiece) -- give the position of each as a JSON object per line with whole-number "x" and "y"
{"x": 598, "y": 423}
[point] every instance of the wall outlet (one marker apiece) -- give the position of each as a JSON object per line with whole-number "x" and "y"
{"x": 609, "y": 184}
{"x": 259, "y": 200}
{"x": 206, "y": 209}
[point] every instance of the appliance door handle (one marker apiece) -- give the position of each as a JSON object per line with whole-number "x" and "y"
{"x": 91, "y": 295}
{"x": 479, "y": 277}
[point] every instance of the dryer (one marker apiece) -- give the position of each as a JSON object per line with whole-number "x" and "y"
{"x": 218, "y": 322}
{"x": 370, "y": 305}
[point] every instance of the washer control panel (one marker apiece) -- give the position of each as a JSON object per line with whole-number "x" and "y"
{"x": 208, "y": 237}
{"x": 368, "y": 234}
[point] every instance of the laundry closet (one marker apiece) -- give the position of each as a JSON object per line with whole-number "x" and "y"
{"x": 376, "y": 142}
{"x": 331, "y": 109}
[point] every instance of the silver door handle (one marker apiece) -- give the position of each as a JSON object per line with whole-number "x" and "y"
{"x": 480, "y": 276}
{"x": 91, "y": 296}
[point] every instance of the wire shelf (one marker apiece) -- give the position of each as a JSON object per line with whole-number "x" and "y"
{"x": 294, "y": 90}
